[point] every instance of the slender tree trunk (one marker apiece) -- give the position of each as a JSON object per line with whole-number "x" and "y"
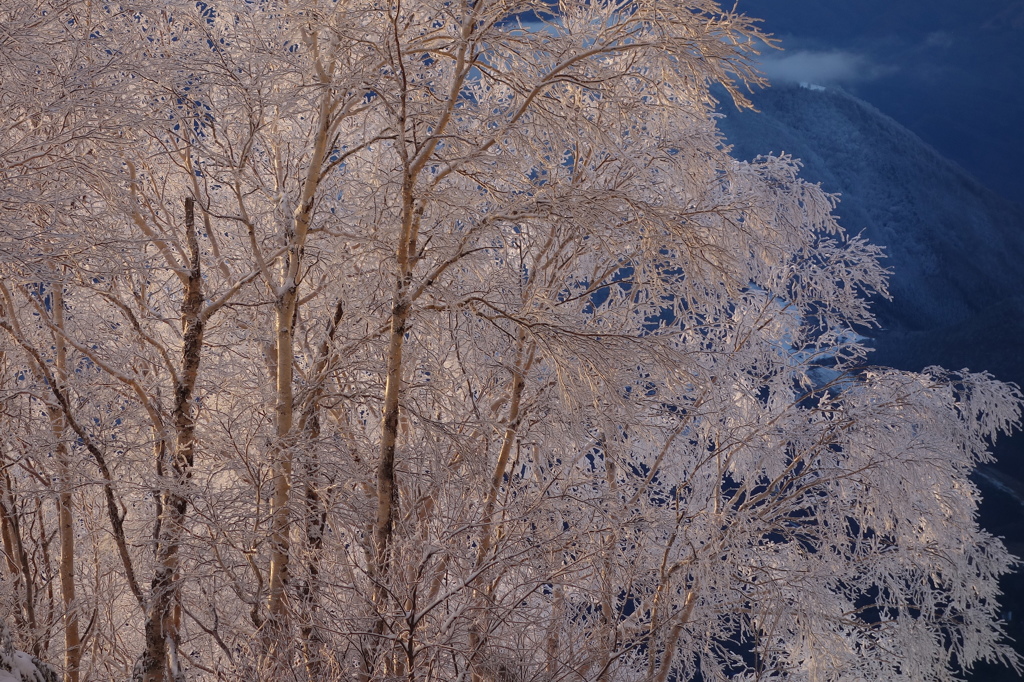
{"x": 59, "y": 392}
{"x": 280, "y": 524}
{"x": 401, "y": 305}
{"x": 65, "y": 508}
{"x": 524, "y": 360}
{"x": 387, "y": 490}
{"x": 286, "y": 308}
{"x": 682, "y": 618}
{"x": 14, "y": 549}
{"x": 387, "y": 485}
{"x": 159, "y": 661}
{"x": 66, "y": 531}
{"x": 43, "y": 566}
{"x": 316, "y": 512}
{"x": 316, "y": 526}
{"x": 7, "y": 535}
{"x": 23, "y": 575}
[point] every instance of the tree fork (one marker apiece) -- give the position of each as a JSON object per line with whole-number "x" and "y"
{"x": 115, "y": 516}
{"x": 286, "y": 309}
{"x": 387, "y": 487}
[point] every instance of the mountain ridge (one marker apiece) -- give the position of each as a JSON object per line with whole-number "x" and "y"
{"x": 946, "y": 69}
{"x": 954, "y": 246}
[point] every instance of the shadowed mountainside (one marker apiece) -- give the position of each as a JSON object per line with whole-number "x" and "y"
{"x": 956, "y": 251}
{"x": 949, "y": 70}
{"x": 955, "y": 247}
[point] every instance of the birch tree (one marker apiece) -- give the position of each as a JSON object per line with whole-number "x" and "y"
{"x": 568, "y": 392}
{"x": 51, "y": 124}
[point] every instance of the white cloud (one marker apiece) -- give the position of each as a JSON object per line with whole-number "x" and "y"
{"x": 939, "y": 39}
{"x": 807, "y": 66}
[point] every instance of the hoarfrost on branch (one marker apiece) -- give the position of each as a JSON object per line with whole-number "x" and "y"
{"x": 441, "y": 340}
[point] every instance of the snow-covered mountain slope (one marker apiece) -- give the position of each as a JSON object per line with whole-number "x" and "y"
{"x": 949, "y": 70}
{"x": 956, "y": 249}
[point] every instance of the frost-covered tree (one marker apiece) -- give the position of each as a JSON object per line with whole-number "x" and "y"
{"x": 440, "y": 340}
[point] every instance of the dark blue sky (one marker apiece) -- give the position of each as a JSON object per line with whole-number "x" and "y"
{"x": 950, "y": 70}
